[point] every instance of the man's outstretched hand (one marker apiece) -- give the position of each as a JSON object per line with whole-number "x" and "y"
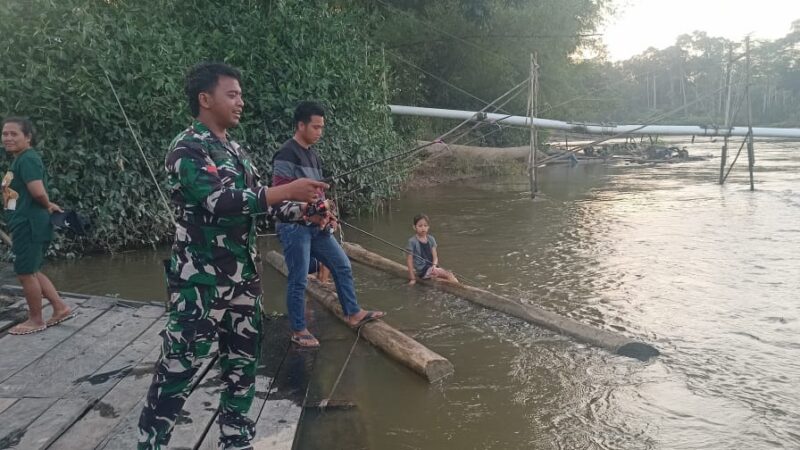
{"x": 300, "y": 190}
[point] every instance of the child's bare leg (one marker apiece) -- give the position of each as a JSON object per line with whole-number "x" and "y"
{"x": 451, "y": 277}
{"x": 324, "y": 274}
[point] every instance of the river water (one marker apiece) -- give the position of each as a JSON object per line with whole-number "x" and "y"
{"x": 709, "y": 275}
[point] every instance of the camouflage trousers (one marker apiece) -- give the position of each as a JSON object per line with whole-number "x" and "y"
{"x": 197, "y": 315}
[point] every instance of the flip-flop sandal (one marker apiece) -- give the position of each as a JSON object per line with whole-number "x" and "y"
{"x": 29, "y": 331}
{"x": 305, "y": 340}
{"x": 52, "y": 322}
{"x": 371, "y": 316}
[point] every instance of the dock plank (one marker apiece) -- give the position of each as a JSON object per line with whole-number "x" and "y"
{"x": 12, "y": 360}
{"x": 15, "y": 420}
{"x": 126, "y": 431}
{"x": 198, "y": 412}
{"x": 106, "y": 415}
{"x": 277, "y": 425}
{"x": 48, "y": 426}
{"x": 15, "y": 313}
{"x": 54, "y": 374}
{"x": 94, "y": 386}
{"x": 211, "y": 439}
{"x": 280, "y": 416}
{"x": 6, "y": 403}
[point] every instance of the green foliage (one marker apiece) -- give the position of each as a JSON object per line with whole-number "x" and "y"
{"x": 478, "y": 49}
{"x": 56, "y": 54}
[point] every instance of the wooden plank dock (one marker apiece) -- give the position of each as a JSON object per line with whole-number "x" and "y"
{"x": 82, "y": 384}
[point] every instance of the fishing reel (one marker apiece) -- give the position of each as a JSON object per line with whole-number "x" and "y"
{"x": 320, "y": 208}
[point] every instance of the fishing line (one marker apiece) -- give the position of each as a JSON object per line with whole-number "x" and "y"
{"x": 141, "y": 150}
{"x": 438, "y": 140}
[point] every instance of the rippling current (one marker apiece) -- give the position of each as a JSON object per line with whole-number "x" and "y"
{"x": 708, "y": 274}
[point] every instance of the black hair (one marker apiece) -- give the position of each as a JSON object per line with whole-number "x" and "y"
{"x": 306, "y": 109}
{"x": 25, "y": 124}
{"x": 203, "y": 77}
{"x": 419, "y": 217}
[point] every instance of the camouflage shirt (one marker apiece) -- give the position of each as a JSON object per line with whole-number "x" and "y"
{"x": 215, "y": 190}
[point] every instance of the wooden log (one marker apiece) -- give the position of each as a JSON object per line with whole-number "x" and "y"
{"x": 397, "y": 345}
{"x": 615, "y": 342}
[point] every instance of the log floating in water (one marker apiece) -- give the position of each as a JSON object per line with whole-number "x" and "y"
{"x": 394, "y": 343}
{"x": 617, "y": 343}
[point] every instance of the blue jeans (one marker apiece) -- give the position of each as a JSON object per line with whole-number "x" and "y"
{"x": 300, "y": 243}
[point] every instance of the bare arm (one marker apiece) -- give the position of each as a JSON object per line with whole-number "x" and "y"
{"x": 435, "y": 256}
{"x": 38, "y": 192}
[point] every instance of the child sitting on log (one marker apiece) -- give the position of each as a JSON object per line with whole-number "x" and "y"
{"x": 423, "y": 259}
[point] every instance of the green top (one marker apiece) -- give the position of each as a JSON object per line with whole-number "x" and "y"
{"x": 28, "y": 166}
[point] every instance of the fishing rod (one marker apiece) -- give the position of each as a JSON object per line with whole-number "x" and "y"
{"x": 439, "y": 140}
{"x": 141, "y": 150}
{"x": 332, "y": 178}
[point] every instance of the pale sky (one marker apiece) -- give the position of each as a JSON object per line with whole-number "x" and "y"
{"x": 639, "y": 24}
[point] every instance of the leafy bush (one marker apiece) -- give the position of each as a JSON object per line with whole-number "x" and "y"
{"x": 57, "y": 54}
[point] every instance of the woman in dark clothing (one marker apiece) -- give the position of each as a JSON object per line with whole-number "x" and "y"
{"x": 27, "y": 212}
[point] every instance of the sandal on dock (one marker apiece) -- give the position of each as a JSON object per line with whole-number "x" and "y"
{"x": 305, "y": 340}
{"x": 57, "y": 320}
{"x": 19, "y": 330}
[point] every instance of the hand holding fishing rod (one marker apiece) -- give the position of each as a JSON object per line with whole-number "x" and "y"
{"x": 320, "y": 213}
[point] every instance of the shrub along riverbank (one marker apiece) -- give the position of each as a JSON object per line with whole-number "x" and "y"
{"x": 57, "y": 55}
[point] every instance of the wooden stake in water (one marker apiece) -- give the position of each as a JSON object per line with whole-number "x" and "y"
{"x": 751, "y": 157}
{"x": 533, "y": 111}
{"x": 724, "y": 156}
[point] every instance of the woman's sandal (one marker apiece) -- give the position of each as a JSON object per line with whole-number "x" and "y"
{"x": 17, "y": 332}
{"x": 55, "y": 321}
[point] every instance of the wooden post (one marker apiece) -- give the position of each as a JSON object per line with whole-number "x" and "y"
{"x": 394, "y": 343}
{"x": 723, "y": 162}
{"x": 655, "y": 93}
{"x": 751, "y": 157}
{"x": 533, "y": 111}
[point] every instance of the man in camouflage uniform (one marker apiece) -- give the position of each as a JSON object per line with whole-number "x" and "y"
{"x": 212, "y": 276}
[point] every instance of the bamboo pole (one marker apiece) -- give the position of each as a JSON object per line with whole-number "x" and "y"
{"x": 751, "y": 157}
{"x": 724, "y": 157}
{"x": 617, "y": 343}
{"x": 533, "y": 111}
{"x": 392, "y": 342}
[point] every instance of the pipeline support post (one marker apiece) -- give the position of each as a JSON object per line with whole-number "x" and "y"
{"x": 533, "y": 111}
{"x": 751, "y": 157}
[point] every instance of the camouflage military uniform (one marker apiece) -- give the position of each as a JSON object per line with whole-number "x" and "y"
{"x": 213, "y": 285}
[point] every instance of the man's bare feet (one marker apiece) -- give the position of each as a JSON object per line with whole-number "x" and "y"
{"x": 28, "y": 327}
{"x": 60, "y": 316}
